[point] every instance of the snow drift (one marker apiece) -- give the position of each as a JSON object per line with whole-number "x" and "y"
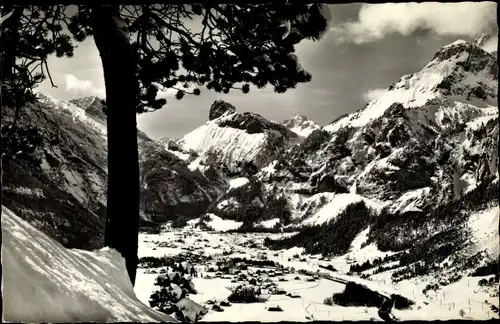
{"x": 44, "y": 282}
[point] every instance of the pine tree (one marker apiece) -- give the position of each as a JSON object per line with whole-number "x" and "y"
{"x": 29, "y": 34}
{"x": 148, "y": 48}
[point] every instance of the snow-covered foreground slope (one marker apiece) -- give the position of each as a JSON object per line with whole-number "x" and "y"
{"x": 44, "y": 282}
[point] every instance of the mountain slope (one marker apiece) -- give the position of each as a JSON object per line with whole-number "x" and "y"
{"x": 414, "y": 173}
{"x": 424, "y": 152}
{"x": 44, "y": 282}
{"x": 238, "y": 138}
{"x": 461, "y": 75}
{"x": 170, "y": 188}
{"x": 60, "y": 188}
{"x": 301, "y": 125}
{"x": 58, "y": 183}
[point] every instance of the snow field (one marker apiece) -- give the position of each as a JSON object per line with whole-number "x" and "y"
{"x": 44, "y": 282}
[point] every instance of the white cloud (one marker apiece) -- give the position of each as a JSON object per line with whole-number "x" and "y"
{"x": 373, "y": 94}
{"x": 83, "y": 88}
{"x": 376, "y": 21}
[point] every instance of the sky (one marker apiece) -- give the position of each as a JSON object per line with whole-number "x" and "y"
{"x": 365, "y": 49}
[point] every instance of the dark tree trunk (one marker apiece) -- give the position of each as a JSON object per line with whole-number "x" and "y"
{"x": 122, "y": 88}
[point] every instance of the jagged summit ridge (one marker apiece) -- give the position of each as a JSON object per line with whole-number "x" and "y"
{"x": 85, "y": 102}
{"x": 480, "y": 40}
{"x": 238, "y": 137}
{"x": 220, "y": 108}
{"x": 459, "y": 74}
{"x": 93, "y": 106}
{"x": 301, "y": 125}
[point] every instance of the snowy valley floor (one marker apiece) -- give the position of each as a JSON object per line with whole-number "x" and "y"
{"x": 44, "y": 282}
{"x": 464, "y": 299}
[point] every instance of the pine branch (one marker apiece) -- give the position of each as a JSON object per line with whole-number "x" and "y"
{"x": 48, "y": 73}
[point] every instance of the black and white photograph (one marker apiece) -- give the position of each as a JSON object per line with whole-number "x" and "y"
{"x": 249, "y": 162}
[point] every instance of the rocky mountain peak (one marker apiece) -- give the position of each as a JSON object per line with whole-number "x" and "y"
{"x": 466, "y": 70}
{"x": 461, "y": 53}
{"x": 92, "y": 105}
{"x": 301, "y": 125}
{"x": 85, "y": 102}
{"x": 219, "y": 108}
{"x": 480, "y": 40}
{"x": 297, "y": 119}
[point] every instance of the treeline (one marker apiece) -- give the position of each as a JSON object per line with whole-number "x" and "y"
{"x": 359, "y": 295}
{"x": 252, "y": 228}
{"x": 491, "y": 268}
{"x": 252, "y": 262}
{"x": 374, "y": 263}
{"x": 332, "y": 238}
{"x": 395, "y": 231}
{"x": 400, "y": 231}
{"x": 253, "y": 205}
{"x": 180, "y": 222}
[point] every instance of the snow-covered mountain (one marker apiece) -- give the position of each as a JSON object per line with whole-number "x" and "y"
{"x": 422, "y": 154}
{"x": 93, "y": 106}
{"x": 412, "y": 176}
{"x": 424, "y": 151}
{"x": 60, "y": 186}
{"x": 461, "y": 77}
{"x": 238, "y": 138}
{"x": 301, "y": 125}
